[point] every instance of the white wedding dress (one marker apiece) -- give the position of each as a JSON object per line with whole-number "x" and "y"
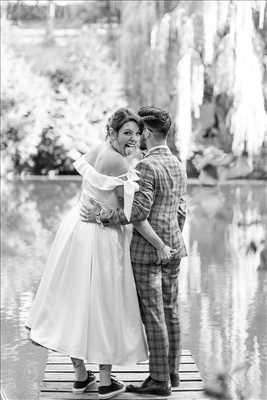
{"x": 86, "y": 305}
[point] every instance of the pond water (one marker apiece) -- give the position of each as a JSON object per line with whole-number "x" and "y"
{"x": 222, "y": 295}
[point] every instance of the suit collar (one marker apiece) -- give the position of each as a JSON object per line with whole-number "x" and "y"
{"x": 158, "y": 149}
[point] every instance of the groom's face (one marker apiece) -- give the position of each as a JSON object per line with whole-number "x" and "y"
{"x": 143, "y": 145}
{"x": 143, "y": 139}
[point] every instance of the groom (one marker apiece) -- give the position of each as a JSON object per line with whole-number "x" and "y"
{"x": 159, "y": 199}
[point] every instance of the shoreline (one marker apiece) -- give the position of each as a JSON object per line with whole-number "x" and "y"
{"x": 77, "y": 178}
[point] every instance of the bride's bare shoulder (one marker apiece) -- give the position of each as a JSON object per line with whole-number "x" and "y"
{"x": 111, "y": 163}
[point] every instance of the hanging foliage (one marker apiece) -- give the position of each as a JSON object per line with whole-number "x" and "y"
{"x": 137, "y": 19}
{"x": 215, "y": 40}
{"x": 210, "y": 15}
{"x": 248, "y": 121}
{"x": 184, "y": 86}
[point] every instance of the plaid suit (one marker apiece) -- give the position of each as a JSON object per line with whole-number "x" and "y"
{"x": 159, "y": 199}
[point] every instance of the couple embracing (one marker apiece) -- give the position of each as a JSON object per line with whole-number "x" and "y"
{"x": 109, "y": 292}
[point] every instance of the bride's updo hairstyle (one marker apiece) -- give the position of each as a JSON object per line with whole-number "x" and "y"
{"x": 120, "y": 117}
{"x": 156, "y": 119}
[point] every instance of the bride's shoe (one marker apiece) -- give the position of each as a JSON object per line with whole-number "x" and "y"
{"x": 81, "y": 386}
{"x": 107, "y": 392}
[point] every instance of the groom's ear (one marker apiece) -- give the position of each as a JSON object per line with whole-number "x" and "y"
{"x": 146, "y": 133}
{"x": 112, "y": 133}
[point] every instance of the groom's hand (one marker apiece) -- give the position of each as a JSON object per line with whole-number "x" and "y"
{"x": 88, "y": 214}
{"x": 165, "y": 254}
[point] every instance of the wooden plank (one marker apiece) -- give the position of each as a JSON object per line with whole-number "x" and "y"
{"x": 59, "y": 376}
{"x": 194, "y": 395}
{"x": 186, "y": 359}
{"x": 68, "y": 368}
{"x": 67, "y": 386}
{"x": 63, "y": 377}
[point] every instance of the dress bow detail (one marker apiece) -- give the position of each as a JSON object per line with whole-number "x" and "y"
{"x": 130, "y": 187}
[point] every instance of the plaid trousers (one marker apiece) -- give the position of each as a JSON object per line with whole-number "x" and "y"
{"x": 157, "y": 288}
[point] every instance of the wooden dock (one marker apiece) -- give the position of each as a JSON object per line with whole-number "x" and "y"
{"x": 59, "y": 376}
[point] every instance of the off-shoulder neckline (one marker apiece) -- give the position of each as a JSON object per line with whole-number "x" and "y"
{"x": 107, "y": 176}
{"x": 131, "y": 169}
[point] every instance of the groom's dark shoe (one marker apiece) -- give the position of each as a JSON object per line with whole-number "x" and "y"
{"x": 175, "y": 379}
{"x": 151, "y": 386}
{"x": 81, "y": 386}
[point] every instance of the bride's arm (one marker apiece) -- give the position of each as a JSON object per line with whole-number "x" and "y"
{"x": 75, "y": 154}
{"x": 117, "y": 167}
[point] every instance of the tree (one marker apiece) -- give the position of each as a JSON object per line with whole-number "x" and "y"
{"x": 51, "y": 9}
{"x": 171, "y": 51}
{"x": 45, "y": 115}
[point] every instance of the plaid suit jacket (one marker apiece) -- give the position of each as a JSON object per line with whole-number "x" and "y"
{"x": 160, "y": 199}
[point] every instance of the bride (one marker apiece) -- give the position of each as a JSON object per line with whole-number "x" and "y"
{"x": 86, "y": 305}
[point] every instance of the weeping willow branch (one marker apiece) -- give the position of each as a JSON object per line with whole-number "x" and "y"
{"x": 248, "y": 120}
{"x": 167, "y": 52}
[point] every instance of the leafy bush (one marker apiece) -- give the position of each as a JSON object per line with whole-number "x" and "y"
{"x": 44, "y": 115}
{"x": 26, "y": 99}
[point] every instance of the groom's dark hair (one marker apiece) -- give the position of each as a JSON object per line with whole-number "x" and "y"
{"x": 156, "y": 118}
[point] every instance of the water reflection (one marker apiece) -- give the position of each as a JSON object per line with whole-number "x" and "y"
{"x": 32, "y": 212}
{"x": 223, "y": 296}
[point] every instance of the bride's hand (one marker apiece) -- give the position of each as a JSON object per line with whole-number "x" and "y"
{"x": 74, "y": 154}
{"x": 165, "y": 254}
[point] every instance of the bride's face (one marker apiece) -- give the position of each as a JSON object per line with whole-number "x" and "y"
{"x": 127, "y": 139}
